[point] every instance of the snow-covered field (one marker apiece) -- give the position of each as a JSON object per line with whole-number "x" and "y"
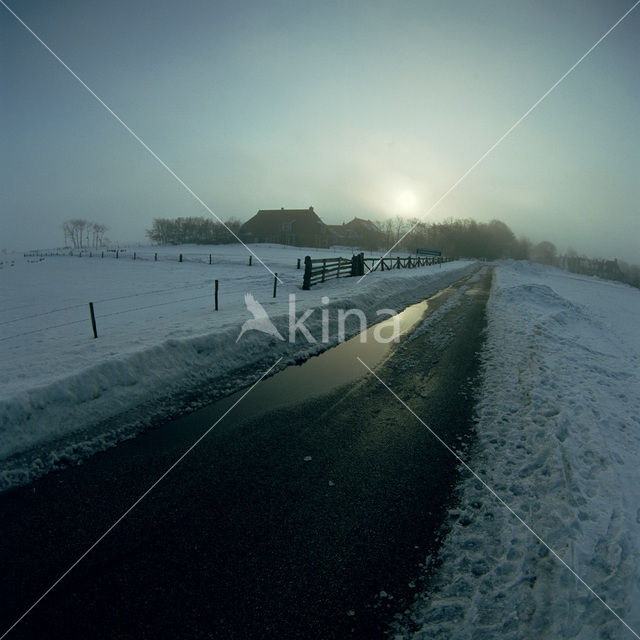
{"x": 558, "y": 427}
{"x": 558, "y": 415}
{"x": 64, "y": 395}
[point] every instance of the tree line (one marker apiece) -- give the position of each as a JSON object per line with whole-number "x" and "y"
{"x": 192, "y": 231}
{"x": 465, "y": 238}
{"x": 456, "y": 238}
{"x": 494, "y": 240}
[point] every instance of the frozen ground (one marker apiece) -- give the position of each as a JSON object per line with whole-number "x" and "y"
{"x": 161, "y": 346}
{"x": 558, "y": 439}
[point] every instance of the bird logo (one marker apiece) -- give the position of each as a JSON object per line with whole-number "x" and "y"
{"x": 260, "y": 320}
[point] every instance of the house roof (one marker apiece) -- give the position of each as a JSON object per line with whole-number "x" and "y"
{"x": 265, "y": 220}
{"x": 360, "y": 223}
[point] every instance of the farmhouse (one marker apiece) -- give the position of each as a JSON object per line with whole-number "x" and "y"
{"x": 358, "y": 233}
{"x": 298, "y": 227}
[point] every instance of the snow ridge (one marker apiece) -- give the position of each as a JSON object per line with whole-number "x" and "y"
{"x": 558, "y": 438}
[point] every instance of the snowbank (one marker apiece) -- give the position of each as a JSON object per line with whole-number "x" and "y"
{"x": 161, "y": 347}
{"x": 558, "y": 428}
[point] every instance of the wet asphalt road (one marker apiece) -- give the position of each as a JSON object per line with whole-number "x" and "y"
{"x": 246, "y": 538}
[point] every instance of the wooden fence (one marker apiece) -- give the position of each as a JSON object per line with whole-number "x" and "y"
{"x": 322, "y": 269}
{"x": 410, "y": 262}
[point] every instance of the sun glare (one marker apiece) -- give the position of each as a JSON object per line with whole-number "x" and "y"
{"x": 406, "y": 201}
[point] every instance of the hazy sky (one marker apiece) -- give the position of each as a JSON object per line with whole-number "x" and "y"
{"x": 359, "y": 108}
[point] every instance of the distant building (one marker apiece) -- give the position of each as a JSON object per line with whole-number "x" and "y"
{"x": 298, "y": 227}
{"x": 358, "y": 233}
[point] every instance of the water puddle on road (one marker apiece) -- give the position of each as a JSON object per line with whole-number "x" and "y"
{"x": 317, "y": 376}
{"x": 296, "y": 384}
{"x": 338, "y": 366}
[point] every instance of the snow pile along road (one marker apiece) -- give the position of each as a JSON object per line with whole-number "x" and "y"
{"x": 161, "y": 348}
{"x": 558, "y": 439}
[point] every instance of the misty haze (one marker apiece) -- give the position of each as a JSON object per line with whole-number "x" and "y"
{"x": 319, "y": 320}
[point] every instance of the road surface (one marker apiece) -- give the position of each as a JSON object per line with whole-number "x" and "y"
{"x": 310, "y": 521}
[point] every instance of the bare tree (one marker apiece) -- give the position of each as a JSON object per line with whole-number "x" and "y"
{"x": 83, "y": 233}
{"x": 399, "y": 227}
{"x": 544, "y": 252}
{"x": 75, "y": 229}
{"x": 98, "y": 230}
{"x": 67, "y": 229}
{"x": 192, "y": 231}
{"x": 388, "y": 232}
{"x": 522, "y": 249}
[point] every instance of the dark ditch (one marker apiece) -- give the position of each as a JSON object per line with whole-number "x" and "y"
{"x": 310, "y": 520}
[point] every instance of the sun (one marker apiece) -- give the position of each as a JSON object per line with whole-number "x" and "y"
{"x": 406, "y": 201}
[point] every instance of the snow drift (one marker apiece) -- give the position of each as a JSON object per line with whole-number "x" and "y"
{"x": 558, "y": 439}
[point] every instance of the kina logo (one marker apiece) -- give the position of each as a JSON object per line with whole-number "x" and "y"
{"x": 260, "y": 320}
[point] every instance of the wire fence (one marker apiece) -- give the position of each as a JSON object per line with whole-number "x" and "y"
{"x": 142, "y": 253}
{"x": 25, "y": 318}
{"x": 146, "y": 254}
{"x": 101, "y": 316}
{"x": 102, "y": 300}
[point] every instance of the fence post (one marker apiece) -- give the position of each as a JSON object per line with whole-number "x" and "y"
{"x": 324, "y": 268}
{"x": 275, "y": 284}
{"x": 180, "y": 258}
{"x": 298, "y": 263}
{"x": 209, "y": 258}
{"x": 117, "y": 253}
{"x": 102, "y": 256}
{"x": 306, "y": 278}
{"x": 93, "y": 320}
{"x": 250, "y": 260}
{"x": 361, "y": 264}
{"x": 134, "y": 255}
{"x": 155, "y": 257}
{"x": 215, "y": 294}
